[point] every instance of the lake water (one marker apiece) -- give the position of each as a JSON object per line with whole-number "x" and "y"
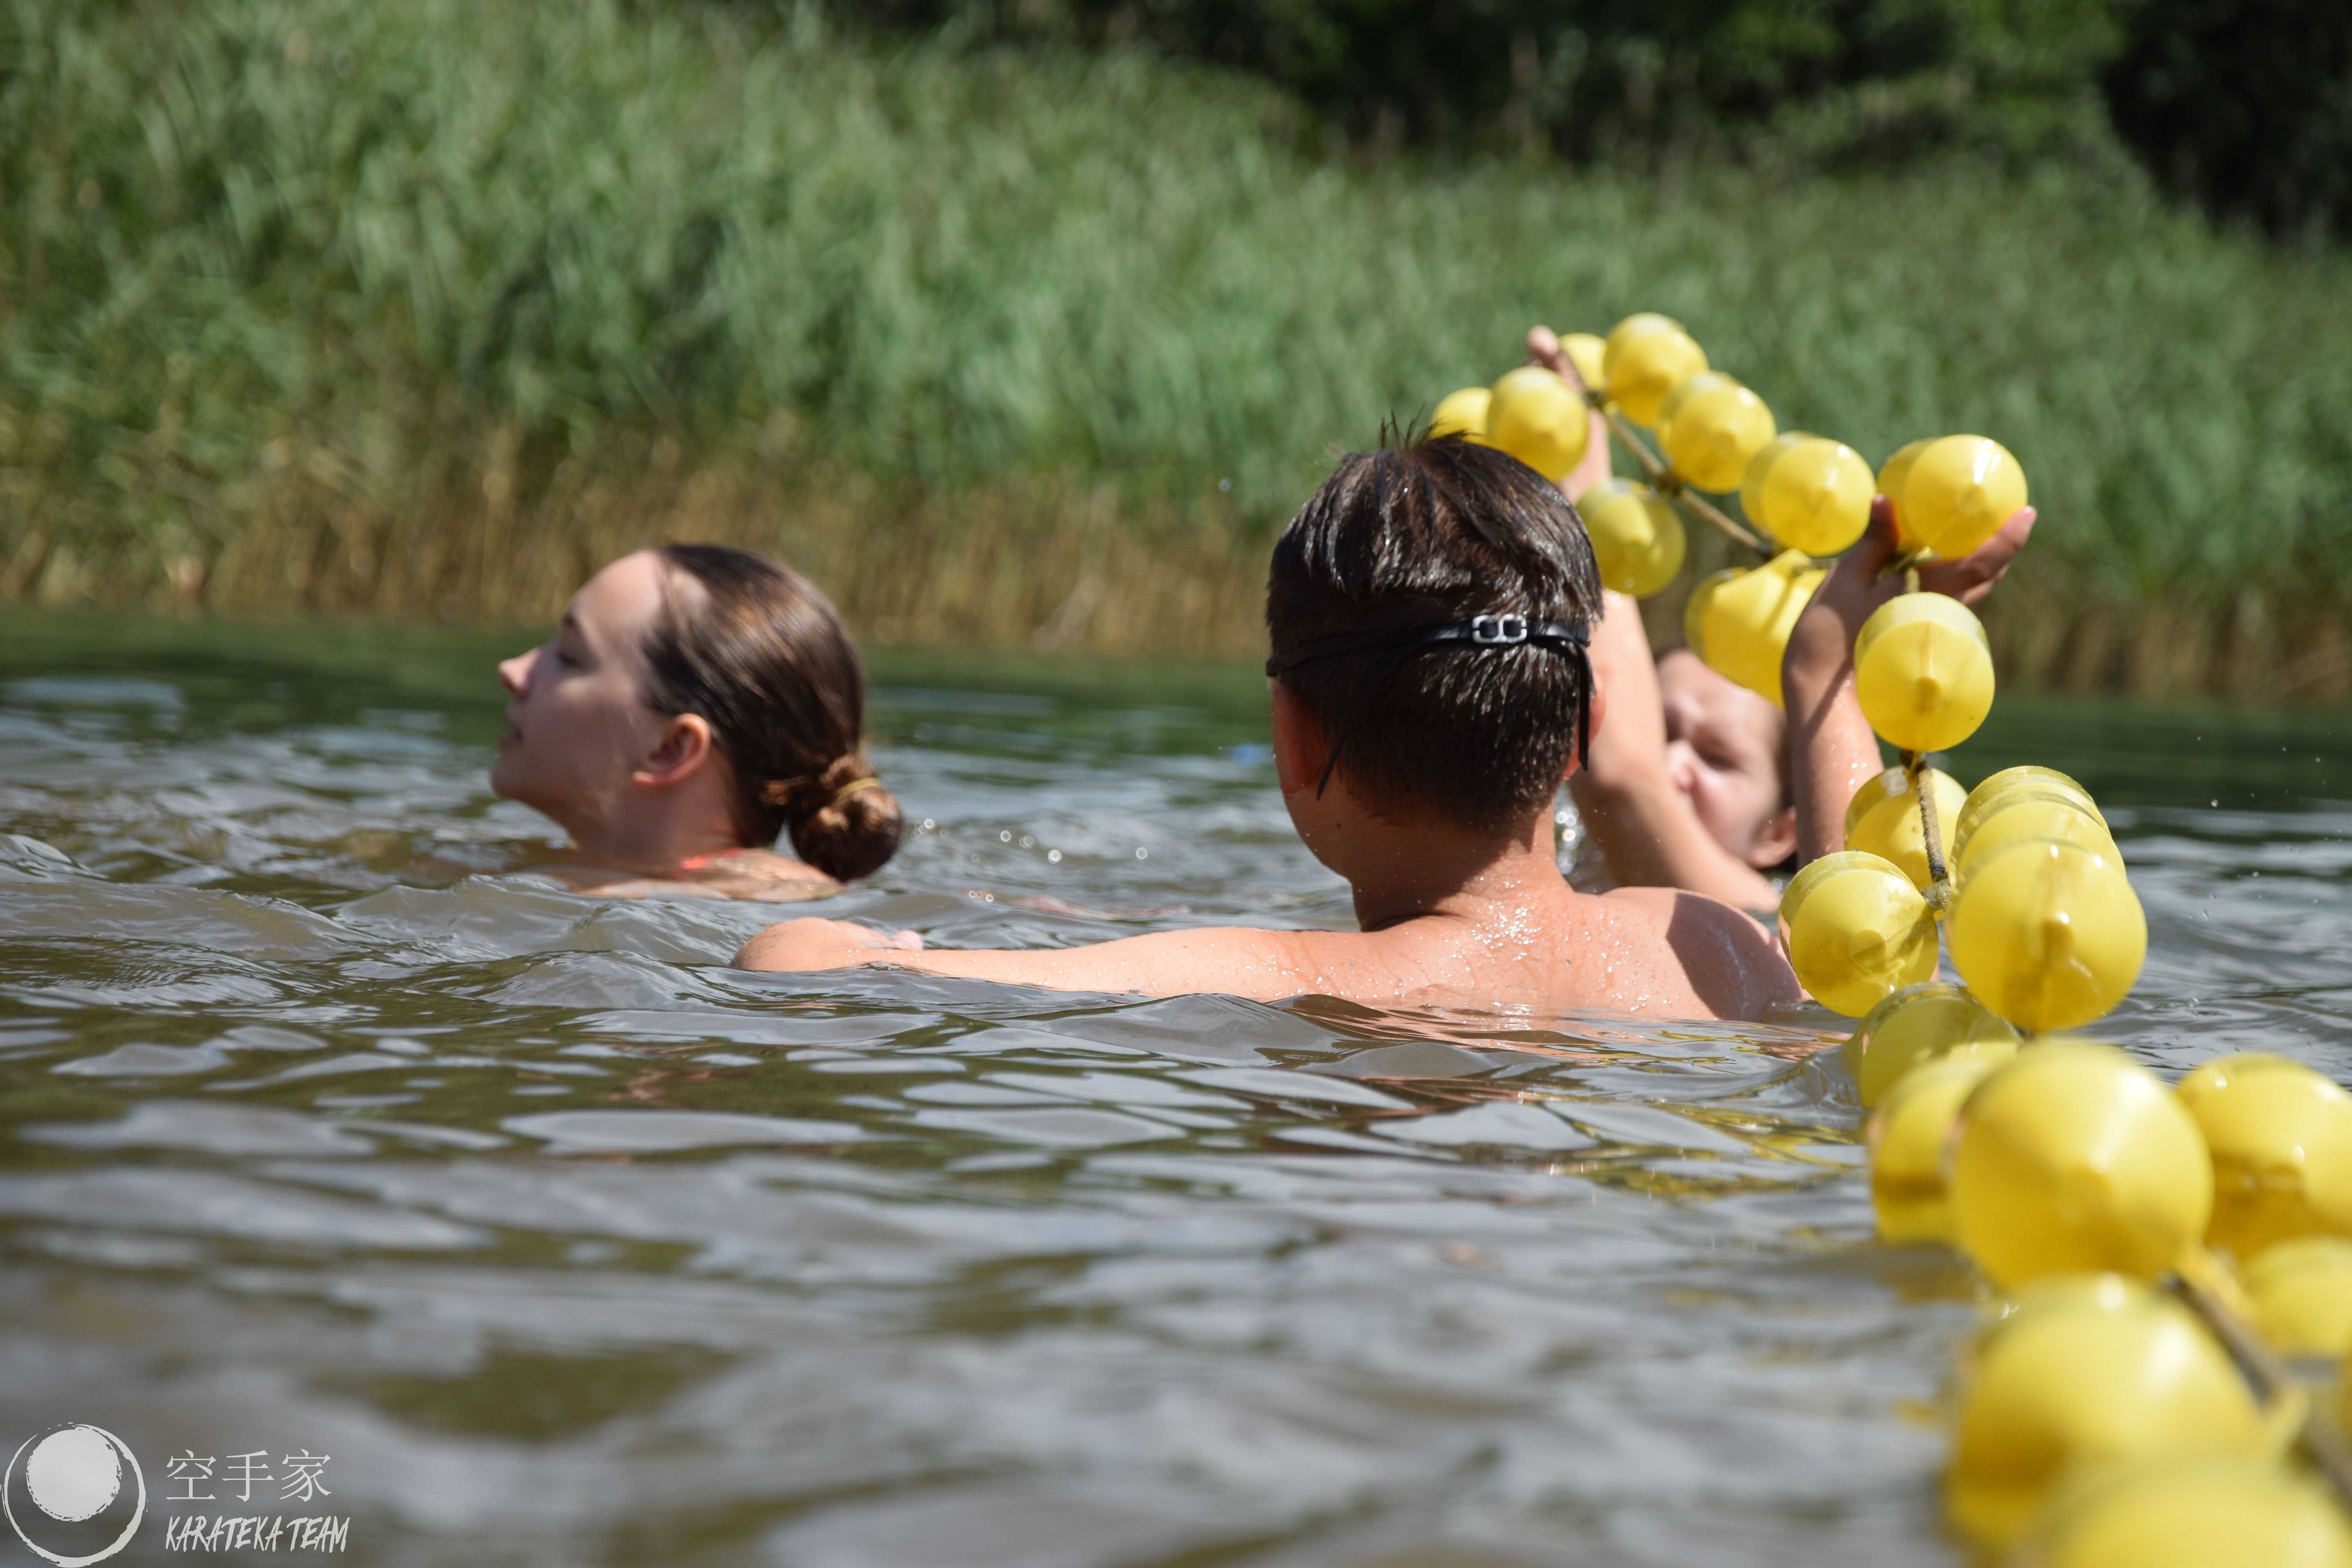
{"x": 328, "y": 1131}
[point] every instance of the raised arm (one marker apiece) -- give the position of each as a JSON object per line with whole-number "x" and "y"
{"x": 1830, "y": 749}
{"x": 1644, "y": 824}
{"x": 1544, "y": 349}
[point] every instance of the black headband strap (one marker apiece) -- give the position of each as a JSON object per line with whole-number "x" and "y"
{"x": 1505, "y": 630}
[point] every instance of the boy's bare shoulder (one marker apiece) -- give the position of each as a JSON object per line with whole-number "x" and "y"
{"x": 1727, "y": 956}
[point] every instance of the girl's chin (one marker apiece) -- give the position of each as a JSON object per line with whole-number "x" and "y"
{"x": 505, "y": 780}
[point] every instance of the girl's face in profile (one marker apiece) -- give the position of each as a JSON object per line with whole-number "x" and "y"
{"x": 578, "y": 726}
{"x": 1723, "y": 753}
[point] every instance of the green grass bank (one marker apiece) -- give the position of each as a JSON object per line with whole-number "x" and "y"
{"x": 425, "y": 309}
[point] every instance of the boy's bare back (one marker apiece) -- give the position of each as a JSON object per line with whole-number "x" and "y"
{"x": 1645, "y": 951}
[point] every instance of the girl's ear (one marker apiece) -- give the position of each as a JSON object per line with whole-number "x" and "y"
{"x": 683, "y": 751}
{"x": 1776, "y": 842}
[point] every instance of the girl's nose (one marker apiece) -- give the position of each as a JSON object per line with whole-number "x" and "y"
{"x": 514, "y": 674}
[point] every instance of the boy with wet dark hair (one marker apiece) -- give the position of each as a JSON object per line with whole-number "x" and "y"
{"x": 1464, "y": 610}
{"x": 1430, "y": 610}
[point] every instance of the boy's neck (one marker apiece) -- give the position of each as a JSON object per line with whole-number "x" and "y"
{"x": 1408, "y": 871}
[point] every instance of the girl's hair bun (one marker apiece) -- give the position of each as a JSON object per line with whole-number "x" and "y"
{"x": 844, "y": 822}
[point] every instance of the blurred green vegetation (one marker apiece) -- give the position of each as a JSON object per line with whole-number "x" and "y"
{"x": 381, "y": 250}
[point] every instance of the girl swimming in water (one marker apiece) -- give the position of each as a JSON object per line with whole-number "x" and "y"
{"x": 696, "y": 701}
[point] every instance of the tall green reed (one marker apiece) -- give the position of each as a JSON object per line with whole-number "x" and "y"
{"x": 331, "y": 271}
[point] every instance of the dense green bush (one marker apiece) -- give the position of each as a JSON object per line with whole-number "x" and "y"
{"x": 1823, "y": 82}
{"x": 2245, "y": 103}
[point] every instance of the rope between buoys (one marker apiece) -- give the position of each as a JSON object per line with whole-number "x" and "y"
{"x": 2326, "y": 1449}
{"x": 1940, "y": 877}
{"x": 1663, "y": 478}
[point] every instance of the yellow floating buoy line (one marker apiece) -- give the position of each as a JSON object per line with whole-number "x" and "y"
{"x": 2130, "y": 1409}
{"x": 2172, "y": 1263}
{"x": 1809, "y": 496}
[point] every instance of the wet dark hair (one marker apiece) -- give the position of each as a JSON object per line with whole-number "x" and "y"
{"x": 1424, "y": 533}
{"x": 765, "y": 659}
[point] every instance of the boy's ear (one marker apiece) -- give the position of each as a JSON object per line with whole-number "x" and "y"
{"x": 681, "y": 752}
{"x": 1300, "y": 748}
{"x": 1776, "y": 842}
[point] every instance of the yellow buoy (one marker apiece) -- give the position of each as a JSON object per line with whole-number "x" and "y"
{"x": 1923, "y": 672}
{"x": 2031, "y": 813}
{"x": 1710, "y": 434}
{"x": 1883, "y": 819}
{"x": 1637, "y": 537}
{"x": 1586, "y": 353}
{"x": 1892, "y": 476}
{"x": 1743, "y": 619}
{"x": 1908, "y": 1135}
{"x": 2048, "y": 934}
{"x": 1991, "y": 790}
{"x": 1642, "y": 366}
{"x": 1858, "y": 931}
{"x": 1696, "y": 608}
{"x": 2302, "y": 1292}
{"x": 1959, "y": 493}
{"x": 2282, "y": 1141}
{"x": 1751, "y": 483}
{"x": 2074, "y": 1158}
{"x": 1685, "y": 390}
{"x": 1809, "y": 493}
{"x": 1463, "y": 413}
{"x": 2080, "y": 1383}
{"x": 1636, "y": 324}
{"x": 2193, "y": 1511}
{"x": 1536, "y": 419}
{"x": 1917, "y": 1025}
{"x": 2054, "y": 1293}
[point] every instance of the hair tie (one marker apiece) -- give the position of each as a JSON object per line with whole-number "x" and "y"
{"x": 783, "y": 791}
